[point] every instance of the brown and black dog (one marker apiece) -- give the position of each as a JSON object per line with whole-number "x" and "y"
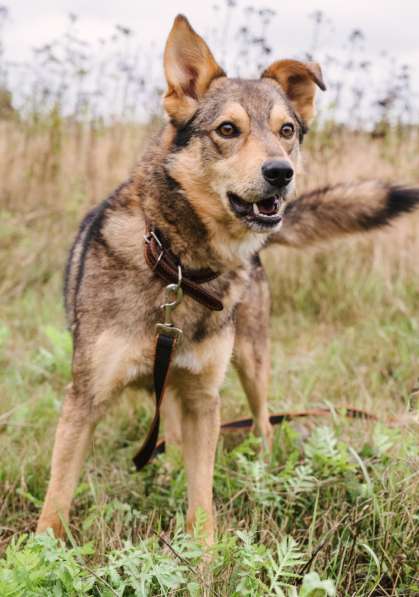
{"x": 216, "y": 184}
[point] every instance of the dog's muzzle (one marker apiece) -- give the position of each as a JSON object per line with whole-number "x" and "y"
{"x": 266, "y": 213}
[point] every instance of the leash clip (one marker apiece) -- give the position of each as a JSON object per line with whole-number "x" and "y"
{"x": 168, "y": 327}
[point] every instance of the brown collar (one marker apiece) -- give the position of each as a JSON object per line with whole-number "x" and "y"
{"x": 165, "y": 264}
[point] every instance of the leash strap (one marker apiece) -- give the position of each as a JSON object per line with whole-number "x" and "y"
{"x": 165, "y": 347}
{"x": 168, "y": 335}
{"x": 165, "y": 265}
{"x": 277, "y": 419}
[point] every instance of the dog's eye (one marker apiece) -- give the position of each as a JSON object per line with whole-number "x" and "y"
{"x": 228, "y": 130}
{"x": 287, "y": 130}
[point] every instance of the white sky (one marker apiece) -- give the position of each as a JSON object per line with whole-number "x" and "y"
{"x": 387, "y": 25}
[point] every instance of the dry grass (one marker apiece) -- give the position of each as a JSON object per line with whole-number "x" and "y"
{"x": 345, "y": 330}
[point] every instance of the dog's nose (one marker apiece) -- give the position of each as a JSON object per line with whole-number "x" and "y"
{"x": 277, "y": 172}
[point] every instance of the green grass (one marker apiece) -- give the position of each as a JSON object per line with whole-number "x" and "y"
{"x": 338, "y": 498}
{"x": 334, "y": 511}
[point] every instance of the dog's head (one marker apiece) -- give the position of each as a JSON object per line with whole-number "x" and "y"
{"x": 234, "y": 144}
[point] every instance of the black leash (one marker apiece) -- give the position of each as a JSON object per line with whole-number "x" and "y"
{"x": 165, "y": 347}
{"x": 168, "y": 336}
{"x": 167, "y": 267}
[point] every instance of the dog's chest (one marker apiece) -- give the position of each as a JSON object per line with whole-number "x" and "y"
{"x": 124, "y": 352}
{"x": 207, "y": 336}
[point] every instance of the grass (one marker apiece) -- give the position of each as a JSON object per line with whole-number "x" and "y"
{"x": 334, "y": 511}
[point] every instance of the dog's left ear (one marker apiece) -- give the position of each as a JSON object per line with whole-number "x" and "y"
{"x": 299, "y": 81}
{"x": 189, "y": 67}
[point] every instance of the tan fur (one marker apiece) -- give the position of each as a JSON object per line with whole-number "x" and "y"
{"x": 279, "y": 116}
{"x": 171, "y": 412}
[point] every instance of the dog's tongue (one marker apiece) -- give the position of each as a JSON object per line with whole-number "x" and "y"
{"x": 268, "y": 207}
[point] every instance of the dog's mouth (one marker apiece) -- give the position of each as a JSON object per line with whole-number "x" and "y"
{"x": 265, "y": 213}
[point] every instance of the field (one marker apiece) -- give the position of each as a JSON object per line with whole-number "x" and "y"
{"x": 335, "y": 509}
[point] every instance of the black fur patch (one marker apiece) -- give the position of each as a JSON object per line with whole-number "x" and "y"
{"x": 400, "y": 200}
{"x": 179, "y": 213}
{"x": 184, "y": 134}
{"x": 200, "y": 331}
{"x": 303, "y": 130}
{"x": 95, "y": 220}
{"x": 255, "y": 260}
{"x": 302, "y": 127}
{"x": 170, "y": 182}
{"x": 92, "y": 226}
{"x": 87, "y": 220}
{"x": 204, "y": 328}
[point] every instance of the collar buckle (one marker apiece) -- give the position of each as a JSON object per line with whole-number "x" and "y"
{"x": 148, "y": 238}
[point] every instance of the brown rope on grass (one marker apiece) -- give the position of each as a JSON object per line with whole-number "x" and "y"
{"x": 278, "y": 418}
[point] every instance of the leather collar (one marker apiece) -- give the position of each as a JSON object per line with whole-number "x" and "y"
{"x": 164, "y": 264}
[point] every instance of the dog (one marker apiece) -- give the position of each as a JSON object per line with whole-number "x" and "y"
{"x": 217, "y": 184}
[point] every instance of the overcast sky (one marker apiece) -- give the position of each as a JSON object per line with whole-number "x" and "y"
{"x": 388, "y": 25}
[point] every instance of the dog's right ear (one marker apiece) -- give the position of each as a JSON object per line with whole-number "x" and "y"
{"x": 189, "y": 67}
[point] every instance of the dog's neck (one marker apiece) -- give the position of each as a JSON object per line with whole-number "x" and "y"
{"x": 168, "y": 209}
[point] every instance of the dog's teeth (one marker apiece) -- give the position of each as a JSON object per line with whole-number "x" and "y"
{"x": 256, "y": 209}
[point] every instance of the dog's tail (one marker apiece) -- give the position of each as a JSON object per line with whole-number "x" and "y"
{"x": 342, "y": 209}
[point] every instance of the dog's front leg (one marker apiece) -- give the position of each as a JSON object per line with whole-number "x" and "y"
{"x": 200, "y": 430}
{"x": 96, "y": 380}
{"x": 72, "y": 440}
{"x": 252, "y": 357}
